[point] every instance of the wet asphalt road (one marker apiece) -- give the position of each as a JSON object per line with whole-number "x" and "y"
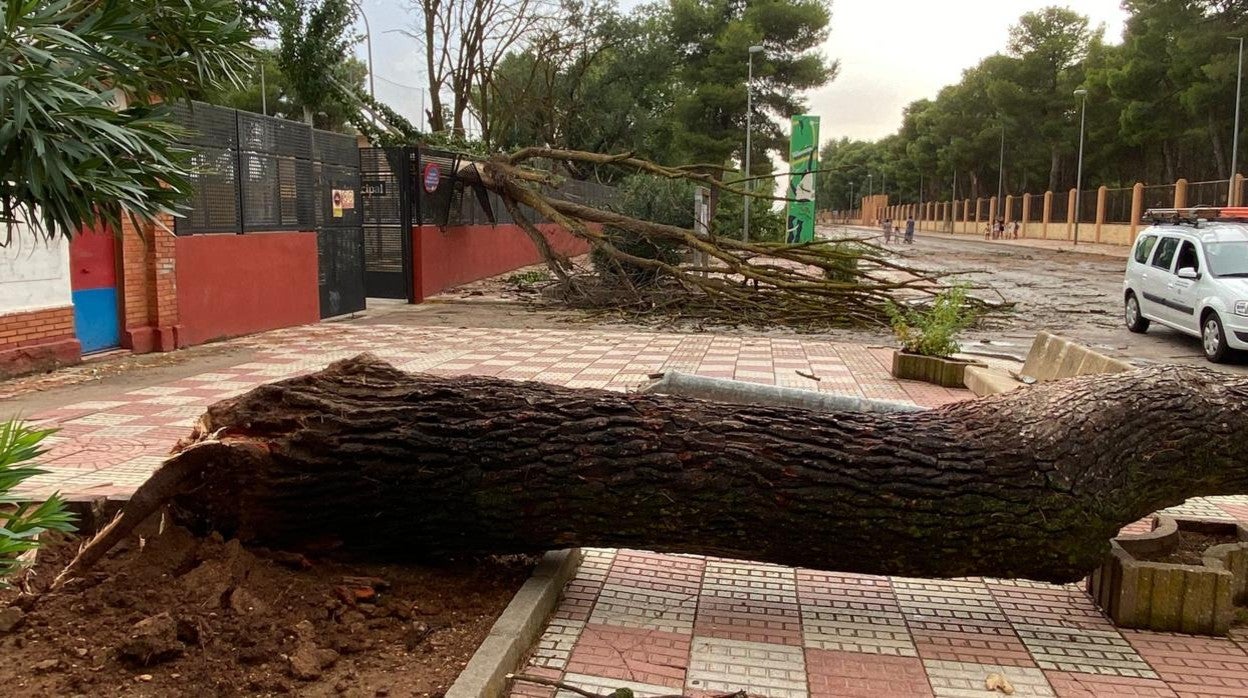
{"x": 1073, "y": 294}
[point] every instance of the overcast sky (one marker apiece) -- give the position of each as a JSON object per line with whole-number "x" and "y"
{"x": 892, "y": 52}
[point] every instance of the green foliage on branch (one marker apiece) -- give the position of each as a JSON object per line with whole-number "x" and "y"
{"x": 21, "y": 522}
{"x": 647, "y": 198}
{"x": 933, "y": 330}
{"x": 69, "y": 157}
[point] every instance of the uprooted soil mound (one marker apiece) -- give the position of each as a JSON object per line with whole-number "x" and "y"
{"x": 180, "y": 616}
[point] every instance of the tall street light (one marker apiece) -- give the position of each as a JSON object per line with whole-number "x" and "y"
{"x": 851, "y": 197}
{"x": 1239, "y": 83}
{"x": 1083, "y": 113}
{"x": 368, "y": 41}
{"x": 749, "y": 110}
{"x": 1001, "y": 177}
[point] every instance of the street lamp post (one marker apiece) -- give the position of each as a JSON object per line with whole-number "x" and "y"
{"x": 1239, "y": 83}
{"x": 1083, "y": 113}
{"x": 749, "y": 111}
{"x": 1001, "y": 177}
{"x": 851, "y": 199}
{"x": 368, "y": 42}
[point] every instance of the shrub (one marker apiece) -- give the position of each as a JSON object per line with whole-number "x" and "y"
{"x": 932, "y": 330}
{"x": 667, "y": 201}
{"x": 843, "y": 268}
{"x": 21, "y": 522}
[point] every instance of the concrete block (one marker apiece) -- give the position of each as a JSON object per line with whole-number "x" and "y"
{"x": 983, "y": 380}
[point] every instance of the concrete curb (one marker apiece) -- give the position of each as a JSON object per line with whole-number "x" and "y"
{"x": 517, "y": 629}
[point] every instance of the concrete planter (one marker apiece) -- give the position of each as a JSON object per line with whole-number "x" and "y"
{"x": 1193, "y": 599}
{"x": 949, "y": 373}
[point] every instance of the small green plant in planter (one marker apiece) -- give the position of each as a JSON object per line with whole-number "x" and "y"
{"x": 21, "y": 522}
{"x": 928, "y": 337}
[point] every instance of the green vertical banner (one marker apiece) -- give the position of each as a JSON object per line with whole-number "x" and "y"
{"x": 803, "y": 161}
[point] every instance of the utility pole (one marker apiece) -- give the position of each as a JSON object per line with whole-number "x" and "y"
{"x": 851, "y": 198}
{"x": 264, "y": 94}
{"x": 1001, "y": 177}
{"x": 1083, "y": 113}
{"x": 1239, "y": 83}
{"x": 749, "y": 111}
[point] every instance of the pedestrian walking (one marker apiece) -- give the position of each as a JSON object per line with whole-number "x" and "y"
{"x": 1015, "y": 230}
{"x": 910, "y": 230}
{"x": 888, "y": 230}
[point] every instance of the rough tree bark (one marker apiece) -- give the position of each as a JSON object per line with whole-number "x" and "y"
{"x": 1030, "y": 484}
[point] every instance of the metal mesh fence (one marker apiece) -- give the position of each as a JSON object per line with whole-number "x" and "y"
{"x": 1118, "y": 205}
{"x": 1208, "y": 193}
{"x": 254, "y": 172}
{"x": 1016, "y": 208}
{"x": 1060, "y": 207}
{"x": 1087, "y": 206}
{"x": 1159, "y": 196}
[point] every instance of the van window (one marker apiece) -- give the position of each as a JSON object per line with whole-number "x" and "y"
{"x": 1165, "y": 253}
{"x": 1187, "y": 257}
{"x": 1143, "y": 247}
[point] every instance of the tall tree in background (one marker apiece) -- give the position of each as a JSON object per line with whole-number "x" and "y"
{"x": 81, "y": 142}
{"x": 604, "y": 82}
{"x": 712, "y": 40}
{"x": 267, "y": 89}
{"x": 464, "y": 42}
{"x": 314, "y": 45}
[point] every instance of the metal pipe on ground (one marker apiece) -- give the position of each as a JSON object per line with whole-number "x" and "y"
{"x": 742, "y": 393}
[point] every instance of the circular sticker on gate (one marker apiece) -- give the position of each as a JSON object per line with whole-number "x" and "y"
{"x": 433, "y": 175}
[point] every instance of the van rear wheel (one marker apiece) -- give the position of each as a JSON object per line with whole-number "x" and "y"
{"x": 1136, "y": 322}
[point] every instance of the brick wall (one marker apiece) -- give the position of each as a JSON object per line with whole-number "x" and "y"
{"x": 149, "y": 287}
{"x": 37, "y": 340}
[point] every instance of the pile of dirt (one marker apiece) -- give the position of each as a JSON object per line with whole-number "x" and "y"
{"x": 1192, "y": 547}
{"x": 180, "y": 616}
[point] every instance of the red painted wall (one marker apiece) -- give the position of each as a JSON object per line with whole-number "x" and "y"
{"x": 231, "y": 285}
{"x": 461, "y": 254}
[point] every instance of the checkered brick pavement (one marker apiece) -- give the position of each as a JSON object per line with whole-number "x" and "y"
{"x": 665, "y": 624}
{"x": 106, "y": 448}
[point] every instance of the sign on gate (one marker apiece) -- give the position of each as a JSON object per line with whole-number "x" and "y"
{"x": 432, "y": 177}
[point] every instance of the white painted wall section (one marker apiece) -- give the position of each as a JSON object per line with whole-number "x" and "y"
{"x": 34, "y": 272}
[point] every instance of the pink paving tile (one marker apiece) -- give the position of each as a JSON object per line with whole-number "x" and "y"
{"x": 1194, "y": 666}
{"x": 631, "y": 654}
{"x": 657, "y": 572}
{"x": 1002, "y": 648}
{"x": 749, "y": 620}
{"x": 836, "y": 674}
{"x": 1073, "y": 685}
{"x": 578, "y": 600}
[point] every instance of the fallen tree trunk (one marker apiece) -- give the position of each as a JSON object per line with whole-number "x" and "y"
{"x": 1029, "y": 484}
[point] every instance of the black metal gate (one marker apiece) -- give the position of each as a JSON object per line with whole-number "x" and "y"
{"x": 339, "y": 231}
{"x": 389, "y": 208}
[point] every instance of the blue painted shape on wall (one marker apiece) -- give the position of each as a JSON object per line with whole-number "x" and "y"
{"x": 95, "y": 319}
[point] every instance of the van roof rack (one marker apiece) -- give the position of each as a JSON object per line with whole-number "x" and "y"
{"x": 1195, "y": 215}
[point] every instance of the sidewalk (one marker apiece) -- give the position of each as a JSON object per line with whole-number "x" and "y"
{"x": 1117, "y": 251}
{"x": 107, "y": 447}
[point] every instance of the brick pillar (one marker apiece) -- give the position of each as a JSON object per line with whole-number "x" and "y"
{"x": 1008, "y": 211}
{"x": 1237, "y": 190}
{"x": 1101, "y": 193}
{"x": 994, "y": 210}
{"x": 149, "y": 296}
{"x": 1180, "y": 193}
{"x": 1026, "y": 215}
{"x": 1137, "y": 209}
